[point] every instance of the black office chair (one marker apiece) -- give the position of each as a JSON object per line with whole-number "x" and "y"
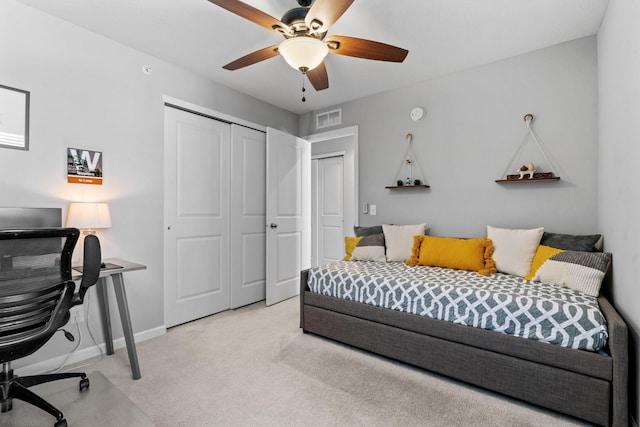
{"x": 36, "y": 293}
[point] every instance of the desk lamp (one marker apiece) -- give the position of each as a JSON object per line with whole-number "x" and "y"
{"x": 88, "y": 217}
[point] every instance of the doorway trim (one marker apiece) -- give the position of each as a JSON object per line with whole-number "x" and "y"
{"x": 207, "y": 112}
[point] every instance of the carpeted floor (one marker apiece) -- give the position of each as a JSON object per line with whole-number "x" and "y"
{"x": 102, "y": 405}
{"x": 254, "y": 367}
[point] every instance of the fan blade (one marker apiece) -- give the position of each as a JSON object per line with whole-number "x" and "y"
{"x": 318, "y": 77}
{"x": 324, "y": 13}
{"x": 252, "y": 14}
{"x": 252, "y": 58}
{"x": 367, "y": 49}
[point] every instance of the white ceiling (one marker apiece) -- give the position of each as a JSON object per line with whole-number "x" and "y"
{"x": 442, "y": 36}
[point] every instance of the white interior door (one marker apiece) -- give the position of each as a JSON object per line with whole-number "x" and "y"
{"x": 329, "y": 209}
{"x": 248, "y": 204}
{"x": 288, "y": 213}
{"x": 342, "y": 142}
{"x": 196, "y": 216}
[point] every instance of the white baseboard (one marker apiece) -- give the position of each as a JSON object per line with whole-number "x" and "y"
{"x": 86, "y": 353}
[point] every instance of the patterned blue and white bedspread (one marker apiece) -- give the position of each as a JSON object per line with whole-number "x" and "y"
{"x": 499, "y": 302}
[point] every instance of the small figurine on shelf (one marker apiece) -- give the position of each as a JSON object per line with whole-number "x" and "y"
{"x": 530, "y": 169}
{"x": 408, "y": 181}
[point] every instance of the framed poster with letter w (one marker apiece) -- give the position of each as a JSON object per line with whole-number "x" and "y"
{"x": 84, "y": 166}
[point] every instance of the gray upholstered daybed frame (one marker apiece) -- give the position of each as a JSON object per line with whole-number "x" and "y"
{"x": 582, "y": 384}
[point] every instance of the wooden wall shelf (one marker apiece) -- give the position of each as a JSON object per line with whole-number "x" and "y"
{"x": 536, "y": 178}
{"x": 393, "y": 187}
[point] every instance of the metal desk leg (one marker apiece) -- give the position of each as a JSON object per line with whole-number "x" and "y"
{"x": 103, "y": 304}
{"x": 123, "y": 307}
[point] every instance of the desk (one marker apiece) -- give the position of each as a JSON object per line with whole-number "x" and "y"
{"x": 123, "y": 307}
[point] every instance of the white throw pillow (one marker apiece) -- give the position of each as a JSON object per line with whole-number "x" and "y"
{"x": 582, "y": 271}
{"x": 514, "y": 249}
{"x": 399, "y": 240}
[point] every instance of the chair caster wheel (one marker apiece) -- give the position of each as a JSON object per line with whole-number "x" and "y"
{"x": 84, "y": 385}
{"x": 61, "y": 423}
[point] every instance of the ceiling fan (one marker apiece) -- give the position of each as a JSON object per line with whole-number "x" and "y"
{"x": 306, "y": 45}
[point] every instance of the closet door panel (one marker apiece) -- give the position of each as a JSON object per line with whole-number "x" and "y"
{"x": 196, "y": 216}
{"x": 248, "y": 221}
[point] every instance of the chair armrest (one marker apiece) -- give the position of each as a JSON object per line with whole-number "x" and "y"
{"x": 90, "y": 267}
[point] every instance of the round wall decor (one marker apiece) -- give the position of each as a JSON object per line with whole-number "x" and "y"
{"x": 417, "y": 114}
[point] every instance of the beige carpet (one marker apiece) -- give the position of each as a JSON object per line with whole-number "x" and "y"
{"x": 254, "y": 367}
{"x": 102, "y": 405}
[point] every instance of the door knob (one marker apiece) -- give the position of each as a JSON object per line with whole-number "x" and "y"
{"x": 273, "y": 225}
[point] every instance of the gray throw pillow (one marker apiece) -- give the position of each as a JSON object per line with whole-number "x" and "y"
{"x": 570, "y": 242}
{"x": 367, "y": 231}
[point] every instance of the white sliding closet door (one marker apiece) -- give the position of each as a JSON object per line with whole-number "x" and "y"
{"x": 219, "y": 247}
{"x": 196, "y": 216}
{"x": 248, "y": 204}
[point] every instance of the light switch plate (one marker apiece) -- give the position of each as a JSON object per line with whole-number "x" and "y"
{"x": 372, "y": 209}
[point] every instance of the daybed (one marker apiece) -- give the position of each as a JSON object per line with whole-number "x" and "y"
{"x": 589, "y": 385}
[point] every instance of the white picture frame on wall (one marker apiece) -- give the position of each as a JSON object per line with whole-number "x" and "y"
{"x": 14, "y": 118}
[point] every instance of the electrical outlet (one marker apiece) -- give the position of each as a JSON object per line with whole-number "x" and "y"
{"x": 77, "y": 313}
{"x": 372, "y": 209}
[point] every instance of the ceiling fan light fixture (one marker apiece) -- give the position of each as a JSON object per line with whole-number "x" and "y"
{"x": 303, "y": 53}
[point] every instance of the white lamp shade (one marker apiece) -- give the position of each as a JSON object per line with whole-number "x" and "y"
{"x": 89, "y": 216}
{"x": 303, "y": 53}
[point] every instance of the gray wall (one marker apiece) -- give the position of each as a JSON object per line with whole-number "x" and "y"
{"x": 90, "y": 92}
{"x": 472, "y": 129}
{"x": 619, "y": 186}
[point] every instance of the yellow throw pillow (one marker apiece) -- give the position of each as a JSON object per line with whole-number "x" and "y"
{"x": 543, "y": 253}
{"x": 448, "y": 252}
{"x": 350, "y": 244}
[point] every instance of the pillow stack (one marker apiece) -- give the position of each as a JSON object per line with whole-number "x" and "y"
{"x": 560, "y": 259}
{"x": 571, "y": 261}
{"x": 582, "y": 271}
{"x": 382, "y": 242}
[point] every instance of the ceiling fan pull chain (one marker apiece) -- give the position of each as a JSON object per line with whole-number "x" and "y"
{"x": 303, "y": 89}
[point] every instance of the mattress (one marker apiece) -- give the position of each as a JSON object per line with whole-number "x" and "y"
{"x": 499, "y": 302}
